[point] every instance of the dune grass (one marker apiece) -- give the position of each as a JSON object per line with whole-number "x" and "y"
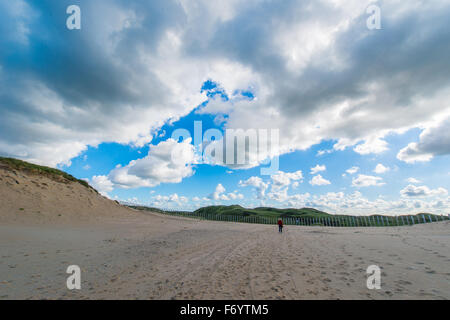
{"x": 35, "y": 169}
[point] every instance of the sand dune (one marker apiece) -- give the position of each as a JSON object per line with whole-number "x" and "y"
{"x": 47, "y": 225}
{"x": 38, "y": 198}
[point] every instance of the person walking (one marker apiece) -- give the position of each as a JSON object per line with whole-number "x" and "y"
{"x": 280, "y": 226}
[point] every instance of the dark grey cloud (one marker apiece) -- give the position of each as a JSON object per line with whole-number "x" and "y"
{"x": 81, "y": 86}
{"x": 136, "y": 64}
{"x": 433, "y": 141}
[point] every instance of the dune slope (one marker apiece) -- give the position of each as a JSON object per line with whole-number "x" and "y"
{"x": 32, "y": 193}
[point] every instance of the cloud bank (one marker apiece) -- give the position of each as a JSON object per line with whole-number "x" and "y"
{"x": 122, "y": 76}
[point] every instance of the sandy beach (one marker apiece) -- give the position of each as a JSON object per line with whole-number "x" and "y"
{"x": 151, "y": 256}
{"x": 151, "y": 150}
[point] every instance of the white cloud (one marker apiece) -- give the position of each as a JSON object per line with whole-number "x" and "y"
{"x": 258, "y": 183}
{"x": 352, "y": 170}
{"x": 367, "y": 181}
{"x": 234, "y": 196}
{"x": 434, "y": 140}
{"x": 102, "y": 184}
{"x": 412, "y": 153}
{"x": 422, "y": 191}
{"x": 171, "y": 201}
{"x": 283, "y": 179}
{"x": 357, "y": 203}
{"x": 318, "y": 168}
{"x": 371, "y": 145}
{"x": 381, "y": 169}
{"x": 218, "y": 193}
{"x": 413, "y": 180}
{"x": 166, "y": 162}
{"x": 322, "y": 152}
{"x": 319, "y": 181}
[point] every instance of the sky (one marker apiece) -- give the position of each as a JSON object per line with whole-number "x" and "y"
{"x": 345, "y": 104}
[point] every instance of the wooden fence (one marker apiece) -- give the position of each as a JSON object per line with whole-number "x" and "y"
{"x": 330, "y": 221}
